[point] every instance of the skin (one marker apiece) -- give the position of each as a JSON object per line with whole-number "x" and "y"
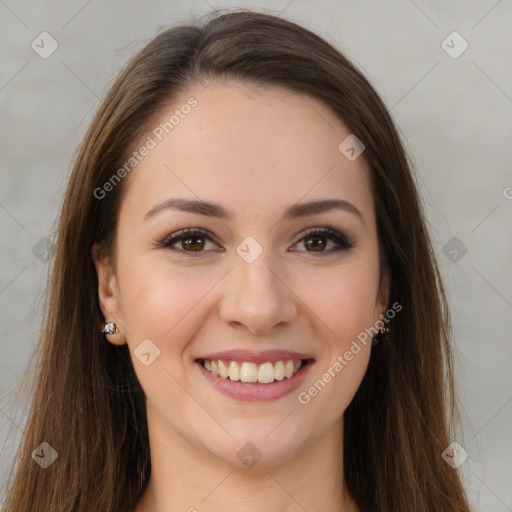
{"x": 255, "y": 151}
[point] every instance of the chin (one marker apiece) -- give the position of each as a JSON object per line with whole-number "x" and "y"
{"x": 256, "y": 449}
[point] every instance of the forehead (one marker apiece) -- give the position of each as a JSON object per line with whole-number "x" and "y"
{"x": 249, "y": 146}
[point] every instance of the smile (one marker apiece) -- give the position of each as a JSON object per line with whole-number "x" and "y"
{"x": 255, "y": 382}
{"x": 249, "y": 372}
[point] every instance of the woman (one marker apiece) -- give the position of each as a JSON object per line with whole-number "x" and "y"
{"x": 245, "y": 310}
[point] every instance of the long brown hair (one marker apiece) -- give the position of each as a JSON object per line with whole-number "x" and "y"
{"x": 87, "y": 402}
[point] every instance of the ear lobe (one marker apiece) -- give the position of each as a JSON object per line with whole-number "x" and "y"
{"x": 108, "y": 295}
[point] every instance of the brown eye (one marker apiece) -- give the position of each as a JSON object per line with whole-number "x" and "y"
{"x": 316, "y": 243}
{"x": 317, "y": 239}
{"x": 193, "y": 241}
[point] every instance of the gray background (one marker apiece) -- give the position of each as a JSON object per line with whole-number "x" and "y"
{"x": 454, "y": 114}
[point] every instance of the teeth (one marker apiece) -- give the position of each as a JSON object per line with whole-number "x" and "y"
{"x": 223, "y": 370}
{"x": 278, "y": 370}
{"x": 288, "y": 369}
{"x": 266, "y": 373}
{"x": 234, "y": 371}
{"x": 251, "y": 372}
{"x": 248, "y": 372}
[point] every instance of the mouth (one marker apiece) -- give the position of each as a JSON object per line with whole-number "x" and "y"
{"x": 246, "y": 381}
{"x": 252, "y": 373}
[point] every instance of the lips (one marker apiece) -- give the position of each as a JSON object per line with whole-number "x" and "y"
{"x": 248, "y": 375}
{"x": 256, "y": 391}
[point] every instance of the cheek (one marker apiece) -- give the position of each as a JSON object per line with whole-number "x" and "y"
{"x": 161, "y": 301}
{"x": 345, "y": 307}
{"x": 342, "y": 297}
{"x": 343, "y": 300}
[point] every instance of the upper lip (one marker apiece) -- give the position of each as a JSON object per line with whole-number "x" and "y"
{"x": 256, "y": 357}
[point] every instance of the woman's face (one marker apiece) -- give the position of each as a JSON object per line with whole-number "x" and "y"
{"x": 254, "y": 280}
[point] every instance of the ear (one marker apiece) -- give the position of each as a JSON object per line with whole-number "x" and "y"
{"x": 382, "y": 302}
{"x": 108, "y": 295}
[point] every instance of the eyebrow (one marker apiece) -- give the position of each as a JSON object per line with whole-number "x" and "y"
{"x": 295, "y": 211}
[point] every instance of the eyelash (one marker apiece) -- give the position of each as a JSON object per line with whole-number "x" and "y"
{"x": 326, "y": 232}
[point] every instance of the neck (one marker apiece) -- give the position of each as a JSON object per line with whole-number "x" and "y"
{"x": 187, "y": 478}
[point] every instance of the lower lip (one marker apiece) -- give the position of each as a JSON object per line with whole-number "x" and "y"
{"x": 255, "y": 391}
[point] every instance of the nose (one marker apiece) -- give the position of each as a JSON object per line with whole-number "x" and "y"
{"x": 257, "y": 297}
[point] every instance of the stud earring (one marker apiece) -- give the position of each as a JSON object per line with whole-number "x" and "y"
{"x": 110, "y": 328}
{"x": 382, "y": 335}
